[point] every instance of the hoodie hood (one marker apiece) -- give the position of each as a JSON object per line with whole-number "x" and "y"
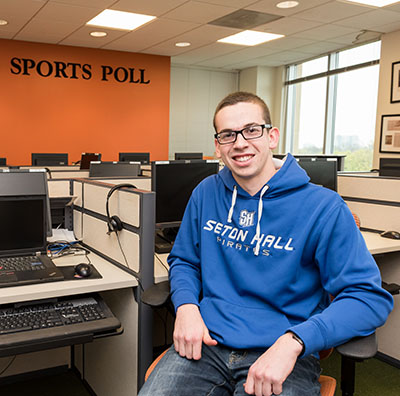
{"x": 289, "y": 176}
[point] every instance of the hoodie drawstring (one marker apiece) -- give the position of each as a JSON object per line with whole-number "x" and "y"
{"x": 260, "y": 209}
{"x": 230, "y": 214}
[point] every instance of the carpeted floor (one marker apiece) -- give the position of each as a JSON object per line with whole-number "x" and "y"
{"x": 373, "y": 377}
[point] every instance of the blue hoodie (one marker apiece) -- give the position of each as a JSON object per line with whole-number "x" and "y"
{"x": 259, "y": 266}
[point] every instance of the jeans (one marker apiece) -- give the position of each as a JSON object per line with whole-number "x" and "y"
{"x": 222, "y": 372}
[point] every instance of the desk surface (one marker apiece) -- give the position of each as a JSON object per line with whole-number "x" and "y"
{"x": 376, "y": 244}
{"x": 113, "y": 278}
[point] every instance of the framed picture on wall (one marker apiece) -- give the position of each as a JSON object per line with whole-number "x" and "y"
{"x": 395, "y": 90}
{"x": 390, "y": 134}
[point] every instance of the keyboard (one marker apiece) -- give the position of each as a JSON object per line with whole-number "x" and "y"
{"x": 22, "y": 263}
{"x": 31, "y": 326}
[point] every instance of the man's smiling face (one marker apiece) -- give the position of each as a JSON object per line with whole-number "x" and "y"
{"x": 249, "y": 160}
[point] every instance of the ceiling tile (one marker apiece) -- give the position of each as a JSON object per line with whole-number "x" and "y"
{"x": 66, "y": 13}
{"x": 326, "y": 32}
{"x": 86, "y": 3}
{"x": 151, "y": 34}
{"x": 320, "y": 47}
{"x": 153, "y": 7}
{"x": 195, "y": 11}
{"x": 288, "y": 26}
{"x": 370, "y": 19}
{"x": 331, "y": 12}
{"x": 82, "y": 37}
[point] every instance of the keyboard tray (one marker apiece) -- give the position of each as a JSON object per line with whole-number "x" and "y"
{"x": 63, "y": 335}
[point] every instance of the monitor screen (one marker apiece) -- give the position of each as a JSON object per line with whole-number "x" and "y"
{"x": 111, "y": 169}
{"x": 86, "y": 159}
{"x": 389, "y": 167}
{"x": 173, "y": 183}
{"x": 143, "y": 158}
{"x": 23, "y": 224}
{"x": 49, "y": 159}
{"x": 188, "y": 156}
{"x": 321, "y": 171}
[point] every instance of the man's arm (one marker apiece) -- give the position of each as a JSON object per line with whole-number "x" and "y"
{"x": 190, "y": 332}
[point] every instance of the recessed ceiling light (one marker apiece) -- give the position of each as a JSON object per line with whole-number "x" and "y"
{"x": 375, "y": 3}
{"x": 250, "y": 37}
{"x": 287, "y": 4}
{"x": 120, "y": 20}
{"x": 3, "y": 22}
{"x": 183, "y": 44}
{"x": 98, "y": 34}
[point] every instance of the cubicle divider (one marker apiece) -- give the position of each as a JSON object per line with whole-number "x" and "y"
{"x": 375, "y": 199}
{"x": 131, "y": 249}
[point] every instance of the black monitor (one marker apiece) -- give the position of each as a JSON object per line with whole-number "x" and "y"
{"x": 3, "y": 161}
{"x": 49, "y": 159}
{"x": 26, "y": 182}
{"x": 188, "y": 156}
{"x": 143, "y": 158}
{"x": 389, "y": 167}
{"x": 321, "y": 171}
{"x": 87, "y": 158}
{"x": 112, "y": 169}
{"x": 173, "y": 183}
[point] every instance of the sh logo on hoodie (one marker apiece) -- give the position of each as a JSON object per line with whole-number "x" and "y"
{"x": 246, "y": 219}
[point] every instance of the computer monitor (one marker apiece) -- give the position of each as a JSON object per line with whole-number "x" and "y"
{"x": 173, "y": 183}
{"x": 143, "y": 158}
{"x": 3, "y": 161}
{"x": 49, "y": 159}
{"x": 27, "y": 182}
{"x": 321, "y": 171}
{"x": 87, "y": 158}
{"x": 188, "y": 156}
{"x": 389, "y": 167}
{"x": 111, "y": 169}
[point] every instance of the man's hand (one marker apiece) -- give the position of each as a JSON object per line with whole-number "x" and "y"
{"x": 269, "y": 371}
{"x": 190, "y": 332}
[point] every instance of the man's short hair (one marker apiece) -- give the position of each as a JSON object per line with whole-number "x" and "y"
{"x": 240, "y": 97}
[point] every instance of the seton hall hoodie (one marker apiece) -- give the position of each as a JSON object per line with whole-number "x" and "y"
{"x": 258, "y": 266}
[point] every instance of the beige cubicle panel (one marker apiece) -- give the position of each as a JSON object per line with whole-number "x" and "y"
{"x": 132, "y": 250}
{"x": 375, "y": 199}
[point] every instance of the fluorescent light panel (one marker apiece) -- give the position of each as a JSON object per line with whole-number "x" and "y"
{"x": 250, "y": 38}
{"x": 375, "y": 3}
{"x": 120, "y": 20}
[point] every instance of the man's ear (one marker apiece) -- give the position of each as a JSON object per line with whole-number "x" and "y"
{"x": 217, "y": 152}
{"x": 273, "y": 138}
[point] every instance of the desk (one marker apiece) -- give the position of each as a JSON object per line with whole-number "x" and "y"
{"x": 110, "y": 364}
{"x": 378, "y": 245}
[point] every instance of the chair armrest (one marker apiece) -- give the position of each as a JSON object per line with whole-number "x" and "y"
{"x": 157, "y": 295}
{"x": 359, "y": 348}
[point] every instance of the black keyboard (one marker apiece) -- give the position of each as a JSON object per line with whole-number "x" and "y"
{"x": 21, "y": 263}
{"x": 39, "y": 325}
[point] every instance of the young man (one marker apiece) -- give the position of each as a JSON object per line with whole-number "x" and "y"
{"x": 258, "y": 255}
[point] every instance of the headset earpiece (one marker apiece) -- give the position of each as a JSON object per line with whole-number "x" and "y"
{"x": 114, "y": 224}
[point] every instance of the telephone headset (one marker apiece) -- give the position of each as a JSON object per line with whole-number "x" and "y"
{"x": 114, "y": 223}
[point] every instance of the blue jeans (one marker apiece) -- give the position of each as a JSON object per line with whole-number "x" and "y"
{"x": 222, "y": 372}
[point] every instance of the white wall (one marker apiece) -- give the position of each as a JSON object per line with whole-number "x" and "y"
{"x": 389, "y": 53}
{"x": 194, "y": 95}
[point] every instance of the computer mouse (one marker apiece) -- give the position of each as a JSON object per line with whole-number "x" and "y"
{"x": 391, "y": 234}
{"x": 83, "y": 270}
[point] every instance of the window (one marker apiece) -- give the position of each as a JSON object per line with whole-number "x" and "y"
{"x": 331, "y": 105}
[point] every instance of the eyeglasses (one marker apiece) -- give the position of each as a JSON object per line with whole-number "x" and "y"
{"x": 248, "y": 133}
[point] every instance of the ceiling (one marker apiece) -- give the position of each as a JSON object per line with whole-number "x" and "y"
{"x": 312, "y": 28}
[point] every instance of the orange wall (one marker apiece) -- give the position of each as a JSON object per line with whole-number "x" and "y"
{"x": 75, "y": 115}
